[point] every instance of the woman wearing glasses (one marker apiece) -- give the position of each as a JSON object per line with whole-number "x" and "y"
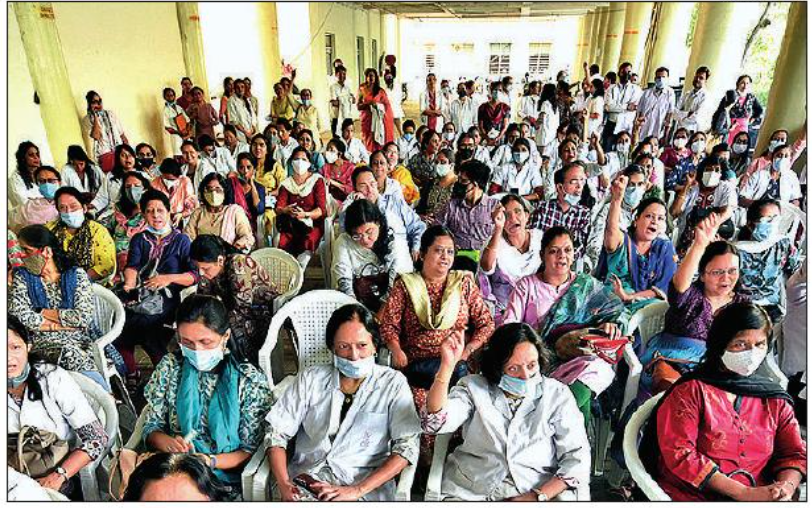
{"x": 693, "y": 306}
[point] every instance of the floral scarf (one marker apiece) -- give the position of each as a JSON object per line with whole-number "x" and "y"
{"x": 80, "y": 247}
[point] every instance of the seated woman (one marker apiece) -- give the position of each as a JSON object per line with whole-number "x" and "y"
{"x": 338, "y": 170}
{"x": 704, "y": 191}
{"x": 53, "y": 299}
{"x": 247, "y": 191}
{"x": 174, "y": 477}
{"x": 306, "y": 141}
{"x": 110, "y": 190}
{"x": 354, "y": 421}
{"x": 639, "y": 264}
{"x": 439, "y": 191}
{"x": 81, "y": 173}
{"x": 678, "y": 150}
{"x": 86, "y": 242}
{"x": 178, "y": 188}
{"x": 425, "y": 307}
{"x": 42, "y": 209}
{"x": 242, "y": 285}
{"x": 566, "y": 306}
{"x": 520, "y": 175}
{"x": 205, "y": 398}
{"x": 215, "y": 217}
{"x": 128, "y": 220}
{"x": 727, "y": 431}
{"x": 400, "y": 174}
{"x": 522, "y": 436}
{"x": 513, "y": 252}
{"x": 301, "y": 208}
{"x": 762, "y": 273}
{"x": 363, "y": 256}
{"x": 22, "y": 185}
{"x": 676, "y": 178}
{"x": 158, "y": 265}
{"x": 692, "y": 307}
{"x": 45, "y": 396}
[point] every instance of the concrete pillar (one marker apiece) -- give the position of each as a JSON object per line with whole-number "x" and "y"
{"x": 191, "y": 39}
{"x": 583, "y": 28}
{"x": 49, "y": 76}
{"x": 600, "y": 39}
{"x": 586, "y": 42}
{"x": 718, "y": 44}
{"x": 667, "y": 45}
{"x": 614, "y": 35}
{"x": 635, "y": 30}
{"x": 269, "y": 42}
{"x": 787, "y": 100}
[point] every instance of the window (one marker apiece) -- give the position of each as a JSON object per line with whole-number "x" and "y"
{"x": 329, "y": 51}
{"x": 539, "y": 58}
{"x": 359, "y": 55}
{"x": 374, "y": 52}
{"x": 499, "y": 63}
{"x": 431, "y": 59}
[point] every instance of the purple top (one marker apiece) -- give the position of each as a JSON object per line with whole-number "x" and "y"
{"x": 689, "y": 314}
{"x": 472, "y": 226}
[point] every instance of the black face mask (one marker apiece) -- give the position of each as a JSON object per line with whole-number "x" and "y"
{"x": 459, "y": 190}
{"x": 466, "y": 153}
{"x": 145, "y": 162}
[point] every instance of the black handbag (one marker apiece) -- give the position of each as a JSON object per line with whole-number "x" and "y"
{"x": 421, "y": 373}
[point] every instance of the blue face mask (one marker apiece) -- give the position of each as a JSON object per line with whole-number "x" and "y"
{"x": 357, "y": 369}
{"x": 159, "y": 232}
{"x": 408, "y": 136}
{"x": 48, "y": 190}
{"x": 659, "y": 83}
{"x": 633, "y": 196}
{"x": 15, "y": 382}
{"x": 73, "y": 220}
{"x": 518, "y": 386}
{"x": 572, "y": 199}
{"x": 762, "y": 231}
{"x": 205, "y": 359}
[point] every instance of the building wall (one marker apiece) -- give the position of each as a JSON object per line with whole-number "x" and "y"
{"x": 127, "y": 52}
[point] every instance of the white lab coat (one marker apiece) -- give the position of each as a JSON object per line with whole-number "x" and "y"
{"x": 356, "y": 151}
{"x": 545, "y": 438}
{"x": 509, "y": 178}
{"x": 463, "y": 114}
{"x": 70, "y": 178}
{"x": 382, "y": 420}
{"x": 618, "y": 99}
{"x": 789, "y": 187}
{"x": 440, "y": 103}
{"x": 222, "y": 161}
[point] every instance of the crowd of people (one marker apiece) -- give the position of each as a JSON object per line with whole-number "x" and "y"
{"x": 497, "y": 246}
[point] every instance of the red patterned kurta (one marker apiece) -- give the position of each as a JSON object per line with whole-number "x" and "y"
{"x": 699, "y": 431}
{"x": 295, "y": 237}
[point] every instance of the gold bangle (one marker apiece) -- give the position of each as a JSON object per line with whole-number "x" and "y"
{"x": 442, "y": 379}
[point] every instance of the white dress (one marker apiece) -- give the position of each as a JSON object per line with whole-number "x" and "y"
{"x": 396, "y": 99}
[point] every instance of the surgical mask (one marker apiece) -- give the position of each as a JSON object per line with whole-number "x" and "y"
{"x": 15, "y": 382}
{"x": 572, "y": 199}
{"x": 449, "y": 136}
{"x": 711, "y": 178}
{"x": 48, "y": 190}
{"x": 493, "y": 133}
{"x": 330, "y": 156}
{"x": 698, "y": 146}
{"x": 274, "y": 140}
{"x": 782, "y": 164}
{"x": 34, "y": 263}
{"x": 300, "y": 166}
{"x": 659, "y": 83}
{"x": 408, "y": 136}
{"x": 623, "y": 147}
{"x": 214, "y": 198}
{"x": 495, "y": 95}
{"x": 73, "y": 219}
{"x": 518, "y": 386}
{"x": 744, "y": 363}
{"x": 159, "y": 232}
{"x": 740, "y": 148}
{"x": 357, "y": 369}
{"x": 205, "y": 359}
{"x": 442, "y": 169}
{"x": 775, "y": 143}
{"x": 306, "y": 102}
{"x": 633, "y": 196}
{"x": 762, "y": 231}
{"x": 520, "y": 157}
{"x": 170, "y": 184}
{"x": 466, "y": 153}
{"x": 170, "y": 103}
{"x": 679, "y": 143}
{"x": 134, "y": 194}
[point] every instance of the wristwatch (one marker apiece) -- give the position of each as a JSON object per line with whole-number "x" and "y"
{"x": 61, "y": 472}
{"x": 541, "y": 496}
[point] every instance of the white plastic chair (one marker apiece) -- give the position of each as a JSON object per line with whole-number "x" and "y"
{"x": 109, "y": 316}
{"x": 648, "y": 322}
{"x": 187, "y": 292}
{"x": 433, "y": 487}
{"x": 630, "y": 444}
{"x": 104, "y": 406}
{"x": 285, "y": 272}
{"x": 790, "y": 220}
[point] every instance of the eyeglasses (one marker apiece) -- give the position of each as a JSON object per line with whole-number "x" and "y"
{"x": 97, "y": 101}
{"x": 364, "y": 235}
{"x": 720, "y": 272}
{"x": 576, "y": 181}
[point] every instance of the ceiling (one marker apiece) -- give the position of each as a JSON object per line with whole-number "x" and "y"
{"x": 481, "y": 10}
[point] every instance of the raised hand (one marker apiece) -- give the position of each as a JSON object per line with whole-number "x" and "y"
{"x": 452, "y": 348}
{"x": 498, "y": 216}
{"x": 706, "y": 230}
{"x": 619, "y": 187}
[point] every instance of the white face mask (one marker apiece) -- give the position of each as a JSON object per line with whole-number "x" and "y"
{"x": 679, "y": 143}
{"x": 711, "y": 178}
{"x": 442, "y": 169}
{"x": 520, "y": 157}
{"x": 739, "y": 148}
{"x": 744, "y": 363}
{"x": 330, "y": 156}
{"x": 449, "y": 136}
{"x": 300, "y": 166}
{"x": 698, "y": 146}
{"x": 623, "y": 147}
{"x": 170, "y": 184}
{"x": 782, "y": 164}
{"x": 357, "y": 369}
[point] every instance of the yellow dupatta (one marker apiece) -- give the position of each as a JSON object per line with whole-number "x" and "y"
{"x": 451, "y": 302}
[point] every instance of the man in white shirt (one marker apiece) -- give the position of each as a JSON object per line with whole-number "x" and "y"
{"x": 432, "y": 105}
{"x": 506, "y": 93}
{"x": 690, "y": 111}
{"x": 356, "y": 151}
{"x": 284, "y": 149}
{"x": 656, "y": 104}
{"x": 464, "y": 109}
{"x": 219, "y": 158}
{"x": 621, "y": 105}
{"x": 341, "y": 100}
{"x": 529, "y": 106}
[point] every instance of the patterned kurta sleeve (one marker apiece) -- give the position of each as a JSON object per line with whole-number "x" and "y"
{"x": 392, "y": 314}
{"x": 78, "y": 412}
{"x": 458, "y": 409}
{"x": 255, "y": 402}
{"x": 790, "y": 447}
{"x": 677, "y": 433}
{"x": 104, "y": 250}
{"x": 20, "y": 306}
{"x": 81, "y": 315}
{"x": 157, "y": 411}
{"x": 479, "y": 314}
{"x": 241, "y": 282}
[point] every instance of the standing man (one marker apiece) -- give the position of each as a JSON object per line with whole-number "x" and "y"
{"x": 463, "y": 108}
{"x": 621, "y": 105}
{"x": 656, "y": 104}
{"x": 185, "y": 98}
{"x": 689, "y": 112}
{"x": 341, "y": 100}
{"x": 432, "y": 105}
{"x": 529, "y": 106}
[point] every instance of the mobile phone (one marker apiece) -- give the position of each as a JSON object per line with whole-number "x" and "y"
{"x": 306, "y": 482}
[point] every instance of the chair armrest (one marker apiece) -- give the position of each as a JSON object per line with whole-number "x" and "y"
{"x": 404, "y": 488}
{"x": 633, "y": 381}
{"x": 433, "y": 492}
{"x": 250, "y": 471}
